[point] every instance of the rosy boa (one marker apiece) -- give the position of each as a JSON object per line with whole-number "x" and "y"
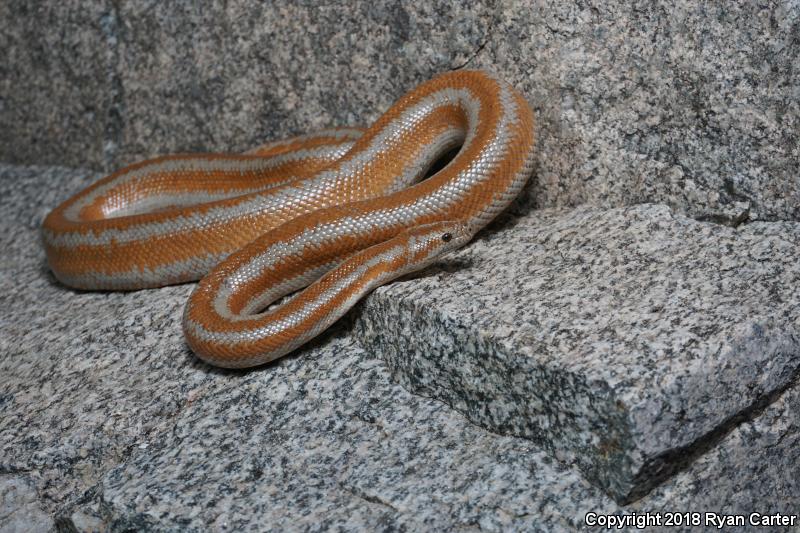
{"x": 337, "y": 213}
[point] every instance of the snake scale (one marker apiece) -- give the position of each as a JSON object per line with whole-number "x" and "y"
{"x": 336, "y": 213}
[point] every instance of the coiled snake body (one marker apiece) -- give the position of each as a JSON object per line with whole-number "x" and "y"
{"x": 337, "y": 213}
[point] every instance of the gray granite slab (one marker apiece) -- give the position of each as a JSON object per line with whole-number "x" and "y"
{"x": 20, "y": 509}
{"x": 622, "y": 340}
{"x": 751, "y": 469}
{"x": 119, "y": 427}
{"x": 59, "y": 90}
{"x": 166, "y": 77}
{"x": 107, "y": 422}
{"x": 651, "y": 345}
{"x": 692, "y": 104}
{"x": 688, "y": 103}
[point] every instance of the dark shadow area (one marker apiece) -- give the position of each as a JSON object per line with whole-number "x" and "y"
{"x": 442, "y": 162}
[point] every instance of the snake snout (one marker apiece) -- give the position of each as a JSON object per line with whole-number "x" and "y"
{"x": 428, "y": 242}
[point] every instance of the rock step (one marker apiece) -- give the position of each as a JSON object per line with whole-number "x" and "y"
{"x": 107, "y": 422}
{"x": 623, "y": 340}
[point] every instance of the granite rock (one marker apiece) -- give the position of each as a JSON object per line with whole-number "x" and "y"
{"x": 20, "y": 509}
{"x": 622, "y": 340}
{"x": 651, "y": 354}
{"x": 107, "y": 422}
{"x": 752, "y": 469}
{"x": 216, "y": 76}
{"x": 57, "y": 73}
{"x": 691, "y": 104}
{"x": 125, "y": 429}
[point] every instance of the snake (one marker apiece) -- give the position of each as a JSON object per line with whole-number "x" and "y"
{"x": 286, "y": 238}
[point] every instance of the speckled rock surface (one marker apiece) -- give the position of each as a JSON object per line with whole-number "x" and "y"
{"x": 753, "y": 468}
{"x": 145, "y": 78}
{"x": 20, "y": 509}
{"x": 620, "y": 339}
{"x": 691, "y": 104}
{"x": 107, "y": 422}
{"x": 117, "y": 424}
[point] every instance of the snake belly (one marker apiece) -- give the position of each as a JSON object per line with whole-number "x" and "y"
{"x": 338, "y": 217}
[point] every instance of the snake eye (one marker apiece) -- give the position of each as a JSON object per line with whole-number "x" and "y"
{"x": 447, "y": 236}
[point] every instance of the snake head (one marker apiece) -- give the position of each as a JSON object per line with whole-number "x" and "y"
{"x": 428, "y": 242}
